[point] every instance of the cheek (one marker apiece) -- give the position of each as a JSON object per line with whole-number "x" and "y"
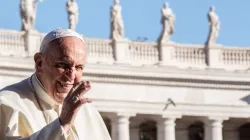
{"x": 59, "y": 71}
{"x": 78, "y": 77}
{"x": 58, "y": 74}
{"x": 54, "y": 73}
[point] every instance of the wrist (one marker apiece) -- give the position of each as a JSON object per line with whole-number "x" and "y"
{"x": 66, "y": 127}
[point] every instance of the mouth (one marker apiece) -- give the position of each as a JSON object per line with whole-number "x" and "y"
{"x": 61, "y": 90}
{"x": 66, "y": 86}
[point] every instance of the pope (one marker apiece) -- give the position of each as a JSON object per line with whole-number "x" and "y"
{"x": 51, "y": 104}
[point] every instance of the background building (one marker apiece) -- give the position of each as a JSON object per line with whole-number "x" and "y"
{"x": 153, "y": 90}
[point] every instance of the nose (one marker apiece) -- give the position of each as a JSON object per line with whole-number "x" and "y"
{"x": 71, "y": 73}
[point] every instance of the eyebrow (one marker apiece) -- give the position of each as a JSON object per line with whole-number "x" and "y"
{"x": 62, "y": 61}
{"x": 67, "y": 62}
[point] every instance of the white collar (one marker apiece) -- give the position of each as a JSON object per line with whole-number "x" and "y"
{"x": 41, "y": 92}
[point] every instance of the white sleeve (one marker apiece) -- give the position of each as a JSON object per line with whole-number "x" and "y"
{"x": 52, "y": 131}
{"x": 12, "y": 129}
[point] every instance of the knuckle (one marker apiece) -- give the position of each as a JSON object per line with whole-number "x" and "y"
{"x": 83, "y": 100}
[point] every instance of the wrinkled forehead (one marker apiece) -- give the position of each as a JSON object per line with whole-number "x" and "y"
{"x": 70, "y": 47}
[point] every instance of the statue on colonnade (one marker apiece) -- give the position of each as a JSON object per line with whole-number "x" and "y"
{"x": 117, "y": 26}
{"x": 168, "y": 22}
{"x": 73, "y": 13}
{"x": 214, "y": 28}
{"x": 28, "y": 14}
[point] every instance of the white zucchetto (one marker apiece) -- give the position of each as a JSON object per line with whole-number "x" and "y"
{"x": 59, "y": 33}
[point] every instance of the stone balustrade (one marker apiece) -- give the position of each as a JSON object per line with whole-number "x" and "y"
{"x": 25, "y": 44}
{"x": 190, "y": 55}
{"x": 143, "y": 52}
{"x": 11, "y": 43}
{"x": 236, "y": 56}
{"x": 99, "y": 50}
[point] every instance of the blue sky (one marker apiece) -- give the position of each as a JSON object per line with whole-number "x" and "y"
{"x": 141, "y": 18}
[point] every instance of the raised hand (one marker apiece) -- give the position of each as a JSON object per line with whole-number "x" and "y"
{"x": 72, "y": 104}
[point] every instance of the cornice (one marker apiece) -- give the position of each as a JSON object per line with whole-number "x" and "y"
{"x": 181, "y": 109}
{"x": 147, "y": 75}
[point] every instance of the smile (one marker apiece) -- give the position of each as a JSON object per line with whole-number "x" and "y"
{"x": 64, "y": 84}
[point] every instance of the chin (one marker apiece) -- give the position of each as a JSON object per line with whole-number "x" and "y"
{"x": 59, "y": 97}
{"x": 60, "y": 92}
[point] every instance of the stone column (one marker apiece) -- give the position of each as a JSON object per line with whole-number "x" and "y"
{"x": 120, "y": 51}
{"x": 166, "y": 54}
{"x": 120, "y": 126}
{"x": 213, "y": 129}
{"x": 166, "y": 128}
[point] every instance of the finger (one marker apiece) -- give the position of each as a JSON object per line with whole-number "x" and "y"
{"x": 75, "y": 86}
{"x": 87, "y": 83}
{"x": 71, "y": 90}
{"x": 83, "y": 101}
{"x": 85, "y": 89}
{"x": 82, "y": 89}
{"x": 78, "y": 83}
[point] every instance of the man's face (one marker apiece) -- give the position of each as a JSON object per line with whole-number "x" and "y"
{"x": 61, "y": 66}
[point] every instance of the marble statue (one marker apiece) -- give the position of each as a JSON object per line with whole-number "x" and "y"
{"x": 168, "y": 22}
{"x": 72, "y": 9}
{"x": 28, "y": 14}
{"x": 214, "y": 24}
{"x": 117, "y": 27}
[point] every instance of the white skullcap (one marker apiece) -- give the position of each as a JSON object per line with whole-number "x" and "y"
{"x": 58, "y": 33}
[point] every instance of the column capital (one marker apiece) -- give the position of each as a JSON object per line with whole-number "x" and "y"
{"x": 114, "y": 116}
{"x": 121, "y": 125}
{"x": 217, "y": 118}
{"x": 166, "y": 120}
{"x": 166, "y": 127}
{"x": 213, "y": 127}
{"x": 171, "y": 115}
{"x": 126, "y": 114}
{"x": 214, "y": 121}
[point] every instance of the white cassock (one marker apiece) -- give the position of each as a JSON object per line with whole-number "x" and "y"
{"x": 21, "y": 116}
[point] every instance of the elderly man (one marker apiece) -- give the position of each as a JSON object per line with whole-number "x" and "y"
{"x": 50, "y": 105}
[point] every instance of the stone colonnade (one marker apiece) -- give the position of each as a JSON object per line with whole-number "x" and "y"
{"x": 171, "y": 128}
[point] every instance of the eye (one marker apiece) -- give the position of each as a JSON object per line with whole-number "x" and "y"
{"x": 60, "y": 65}
{"x": 80, "y": 67}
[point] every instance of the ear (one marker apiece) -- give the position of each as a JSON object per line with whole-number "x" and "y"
{"x": 38, "y": 62}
